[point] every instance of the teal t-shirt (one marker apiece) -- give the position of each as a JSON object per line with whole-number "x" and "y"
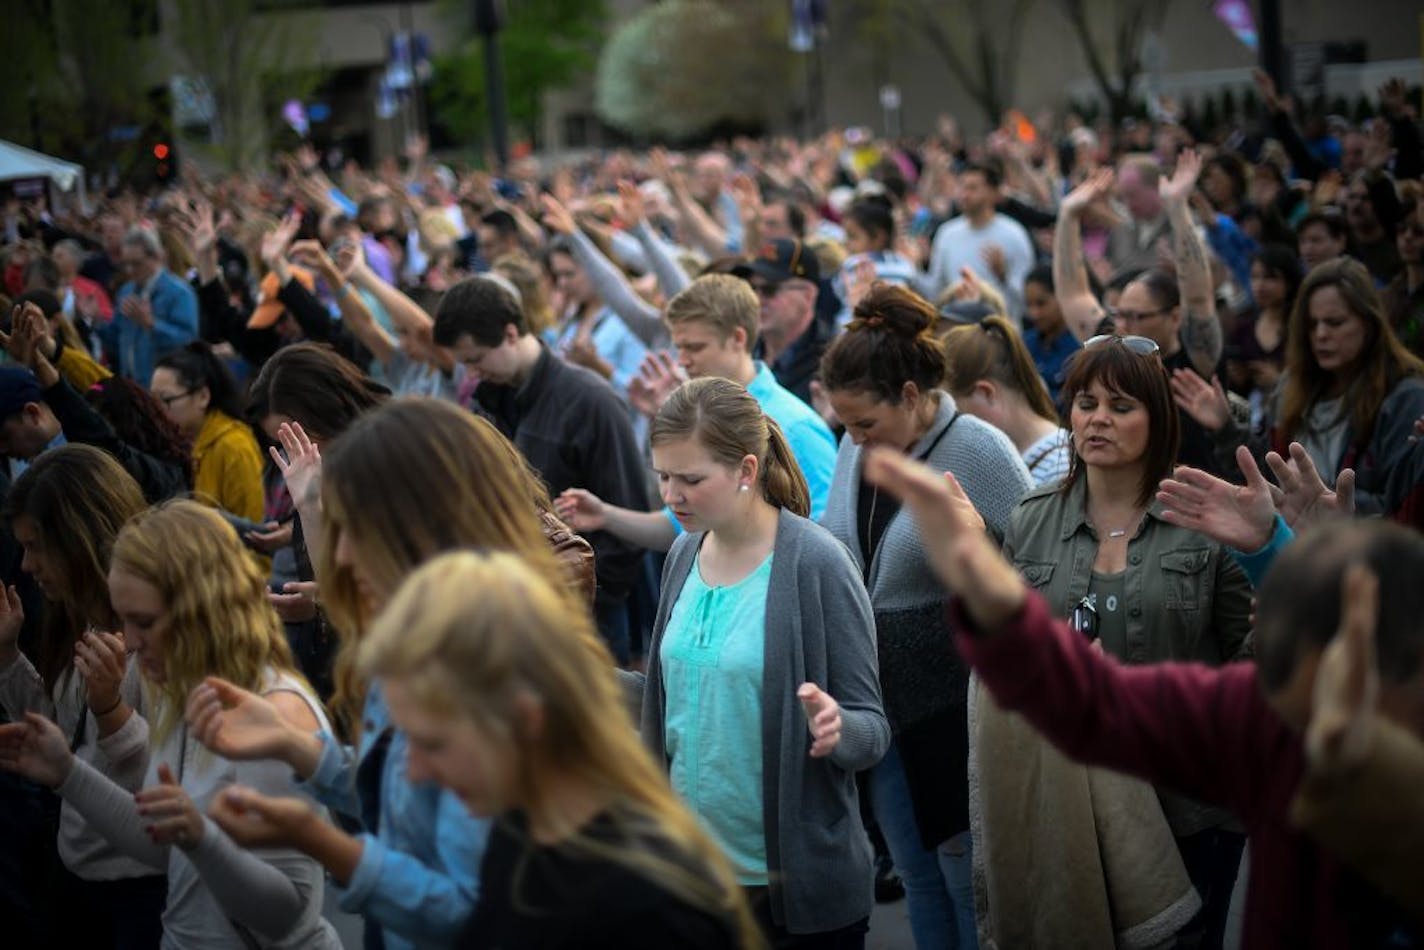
{"x": 713, "y": 651}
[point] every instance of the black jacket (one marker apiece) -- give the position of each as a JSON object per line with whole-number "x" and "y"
{"x": 576, "y": 433}
{"x": 159, "y": 479}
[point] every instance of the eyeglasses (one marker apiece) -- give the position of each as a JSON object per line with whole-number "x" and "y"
{"x": 170, "y": 400}
{"x": 1134, "y": 316}
{"x": 1140, "y": 345}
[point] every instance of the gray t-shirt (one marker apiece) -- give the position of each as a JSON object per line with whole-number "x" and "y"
{"x": 1105, "y": 595}
{"x": 1323, "y": 436}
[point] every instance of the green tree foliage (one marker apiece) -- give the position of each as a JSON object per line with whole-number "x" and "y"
{"x": 978, "y": 41}
{"x": 72, "y": 71}
{"x": 684, "y": 67}
{"x": 545, "y": 45}
{"x": 244, "y": 57}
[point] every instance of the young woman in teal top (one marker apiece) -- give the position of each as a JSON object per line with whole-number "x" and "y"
{"x": 761, "y": 694}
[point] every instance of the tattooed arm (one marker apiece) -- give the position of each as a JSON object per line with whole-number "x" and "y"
{"x": 1081, "y": 310}
{"x": 1201, "y": 330}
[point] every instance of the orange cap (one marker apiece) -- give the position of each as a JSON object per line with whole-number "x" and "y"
{"x": 269, "y": 308}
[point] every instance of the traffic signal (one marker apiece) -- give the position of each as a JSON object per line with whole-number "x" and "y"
{"x": 165, "y": 167}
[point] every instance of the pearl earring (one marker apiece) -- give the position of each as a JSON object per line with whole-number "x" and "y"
{"x": 743, "y": 487}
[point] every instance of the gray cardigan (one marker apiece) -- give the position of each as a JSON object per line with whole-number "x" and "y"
{"x": 819, "y": 630}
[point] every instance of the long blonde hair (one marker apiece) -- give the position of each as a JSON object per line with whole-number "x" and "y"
{"x": 406, "y": 482}
{"x": 219, "y": 621}
{"x": 470, "y": 633}
{"x": 729, "y": 423}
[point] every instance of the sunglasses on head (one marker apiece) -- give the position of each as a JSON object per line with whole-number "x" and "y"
{"x": 1140, "y": 345}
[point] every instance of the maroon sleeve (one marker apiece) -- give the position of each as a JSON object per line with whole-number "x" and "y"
{"x": 1204, "y": 731}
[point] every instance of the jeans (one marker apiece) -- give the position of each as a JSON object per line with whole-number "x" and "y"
{"x": 612, "y": 619}
{"x": 850, "y": 937}
{"x": 939, "y": 883}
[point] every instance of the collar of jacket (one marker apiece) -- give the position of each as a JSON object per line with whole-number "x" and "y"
{"x": 1075, "y": 513}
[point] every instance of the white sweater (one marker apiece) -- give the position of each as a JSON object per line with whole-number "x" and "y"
{"x": 274, "y": 894}
{"x": 122, "y": 757}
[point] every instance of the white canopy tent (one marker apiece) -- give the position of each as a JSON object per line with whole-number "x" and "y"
{"x": 18, "y": 162}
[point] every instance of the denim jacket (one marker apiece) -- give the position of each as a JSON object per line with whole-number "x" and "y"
{"x": 418, "y": 877}
{"x": 1186, "y": 598}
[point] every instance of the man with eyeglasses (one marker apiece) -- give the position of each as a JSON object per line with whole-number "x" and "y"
{"x": 1404, "y": 297}
{"x": 786, "y": 277}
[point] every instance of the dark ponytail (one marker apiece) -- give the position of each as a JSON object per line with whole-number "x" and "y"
{"x": 889, "y": 342}
{"x": 198, "y": 367}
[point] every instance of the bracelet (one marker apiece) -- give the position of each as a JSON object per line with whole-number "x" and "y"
{"x": 345, "y": 289}
{"x": 100, "y": 715}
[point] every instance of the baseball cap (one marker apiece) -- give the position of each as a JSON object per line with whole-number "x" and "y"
{"x": 782, "y": 260}
{"x": 18, "y": 387}
{"x": 269, "y": 308}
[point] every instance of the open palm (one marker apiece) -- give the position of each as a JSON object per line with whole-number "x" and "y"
{"x": 1240, "y": 516}
{"x": 235, "y": 723}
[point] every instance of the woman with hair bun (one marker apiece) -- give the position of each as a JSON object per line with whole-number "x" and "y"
{"x": 884, "y": 377}
{"x": 199, "y": 394}
{"x": 761, "y": 694}
{"x": 993, "y": 377}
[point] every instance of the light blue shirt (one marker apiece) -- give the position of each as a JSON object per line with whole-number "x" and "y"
{"x": 713, "y": 652}
{"x": 614, "y": 342}
{"x": 418, "y": 876}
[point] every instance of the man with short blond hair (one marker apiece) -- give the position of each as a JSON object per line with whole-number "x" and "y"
{"x": 713, "y": 323}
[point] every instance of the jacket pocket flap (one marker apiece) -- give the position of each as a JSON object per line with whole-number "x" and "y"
{"x": 1186, "y": 562}
{"x": 1037, "y": 574}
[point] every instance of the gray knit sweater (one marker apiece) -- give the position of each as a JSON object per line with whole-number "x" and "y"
{"x": 983, "y": 460}
{"x": 819, "y": 630}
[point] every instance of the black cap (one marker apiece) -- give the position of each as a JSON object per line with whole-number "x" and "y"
{"x": 782, "y": 260}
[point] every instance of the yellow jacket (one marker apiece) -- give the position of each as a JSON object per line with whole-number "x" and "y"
{"x": 227, "y": 466}
{"x": 79, "y": 369}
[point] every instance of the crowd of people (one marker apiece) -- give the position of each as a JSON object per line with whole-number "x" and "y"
{"x": 656, "y": 549}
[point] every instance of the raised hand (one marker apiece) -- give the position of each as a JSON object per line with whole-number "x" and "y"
{"x": 1178, "y": 188}
{"x": 966, "y": 561}
{"x": 36, "y": 749}
{"x": 171, "y": 816}
{"x": 581, "y": 510}
{"x": 12, "y": 619}
{"x": 631, "y": 208}
{"x": 860, "y": 277}
{"x": 237, "y": 724}
{"x": 659, "y": 376}
{"x": 1240, "y": 516}
{"x": 300, "y": 465}
{"x": 255, "y": 820}
{"x": 351, "y": 260}
{"x": 1303, "y": 498}
{"x": 1094, "y": 189}
{"x": 276, "y": 241}
{"x": 23, "y": 340}
{"x": 557, "y": 217}
{"x": 1267, "y": 87}
{"x": 1205, "y": 402}
{"x": 310, "y": 254}
{"x": 823, "y": 718}
{"x": 102, "y": 659}
{"x": 1347, "y": 683}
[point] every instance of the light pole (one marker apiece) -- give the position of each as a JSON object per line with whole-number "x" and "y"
{"x": 489, "y": 20}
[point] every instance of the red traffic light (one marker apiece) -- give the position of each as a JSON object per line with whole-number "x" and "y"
{"x": 160, "y": 151}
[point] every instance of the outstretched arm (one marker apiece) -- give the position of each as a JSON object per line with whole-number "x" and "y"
{"x": 1201, "y": 330}
{"x": 1081, "y": 309}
